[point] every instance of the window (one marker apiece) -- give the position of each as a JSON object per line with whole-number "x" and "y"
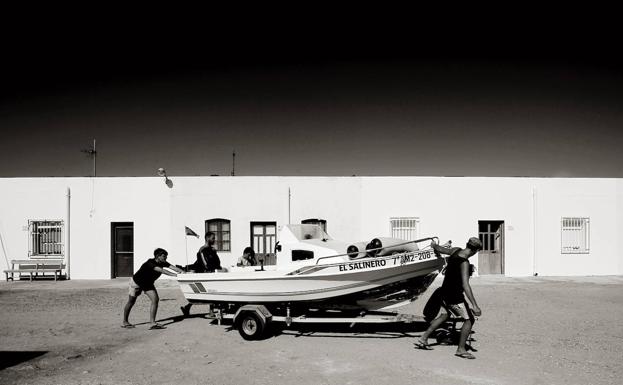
{"x": 46, "y": 239}
{"x": 320, "y": 222}
{"x": 575, "y": 235}
{"x": 221, "y": 229}
{"x": 404, "y": 228}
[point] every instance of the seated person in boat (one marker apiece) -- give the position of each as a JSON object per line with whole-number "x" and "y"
{"x": 247, "y": 258}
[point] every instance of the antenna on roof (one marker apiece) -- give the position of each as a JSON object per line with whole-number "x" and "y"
{"x": 91, "y": 152}
{"x": 233, "y": 162}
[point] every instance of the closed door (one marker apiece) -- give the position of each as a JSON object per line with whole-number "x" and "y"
{"x": 491, "y": 257}
{"x": 122, "y": 246}
{"x": 263, "y": 239}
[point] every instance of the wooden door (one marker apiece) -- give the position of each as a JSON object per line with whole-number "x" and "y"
{"x": 491, "y": 257}
{"x": 122, "y": 247}
{"x": 263, "y": 239}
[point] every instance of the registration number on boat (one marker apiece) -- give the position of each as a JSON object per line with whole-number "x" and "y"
{"x": 414, "y": 256}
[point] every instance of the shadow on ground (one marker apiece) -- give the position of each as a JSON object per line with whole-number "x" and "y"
{"x": 12, "y": 358}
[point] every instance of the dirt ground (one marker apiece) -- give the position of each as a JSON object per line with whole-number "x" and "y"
{"x": 532, "y": 331}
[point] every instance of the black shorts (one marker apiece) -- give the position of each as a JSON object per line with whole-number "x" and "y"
{"x": 135, "y": 290}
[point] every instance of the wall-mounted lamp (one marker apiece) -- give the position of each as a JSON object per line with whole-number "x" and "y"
{"x": 167, "y": 181}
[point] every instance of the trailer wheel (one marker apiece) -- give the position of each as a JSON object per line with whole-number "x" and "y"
{"x": 251, "y": 326}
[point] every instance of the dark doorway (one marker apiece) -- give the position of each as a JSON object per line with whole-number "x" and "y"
{"x": 491, "y": 257}
{"x": 122, "y": 247}
{"x": 263, "y": 239}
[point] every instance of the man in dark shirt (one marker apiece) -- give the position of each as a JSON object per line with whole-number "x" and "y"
{"x": 207, "y": 259}
{"x": 455, "y": 283}
{"x": 207, "y": 262}
{"x": 143, "y": 281}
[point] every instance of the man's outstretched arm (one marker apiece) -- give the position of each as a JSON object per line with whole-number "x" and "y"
{"x": 444, "y": 250}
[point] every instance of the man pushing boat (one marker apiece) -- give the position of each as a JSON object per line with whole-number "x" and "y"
{"x": 455, "y": 284}
{"x": 143, "y": 281}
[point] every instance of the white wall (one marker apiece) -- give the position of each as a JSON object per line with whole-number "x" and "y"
{"x": 356, "y": 209}
{"x": 246, "y": 199}
{"x": 592, "y": 198}
{"x": 95, "y": 203}
{"x": 450, "y": 208}
{"x": 22, "y": 199}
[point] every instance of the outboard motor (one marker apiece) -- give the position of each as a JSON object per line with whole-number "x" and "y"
{"x": 392, "y": 246}
{"x": 356, "y": 250}
{"x": 374, "y": 244}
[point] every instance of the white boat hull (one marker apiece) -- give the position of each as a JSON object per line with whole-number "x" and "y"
{"x": 364, "y": 282}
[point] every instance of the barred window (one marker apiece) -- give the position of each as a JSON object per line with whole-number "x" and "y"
{"x": 575, "y": 235}
{"x": 45, "y": 239}
{"x": 404, "y": 228}
{"x": 221, "y": 229}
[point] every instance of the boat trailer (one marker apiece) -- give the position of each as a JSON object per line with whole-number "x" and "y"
{"x": 253, "y": 320}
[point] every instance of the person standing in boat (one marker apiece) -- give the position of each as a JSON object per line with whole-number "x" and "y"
{"x": 143, "y": 281}
{"x": 455, "y": 285}
{"x": 207, "y": 262}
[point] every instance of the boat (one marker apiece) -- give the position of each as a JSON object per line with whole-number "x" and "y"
{"x": 313, "y": 270}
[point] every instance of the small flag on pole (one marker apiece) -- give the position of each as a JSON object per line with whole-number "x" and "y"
{"x": 190, "y": 232}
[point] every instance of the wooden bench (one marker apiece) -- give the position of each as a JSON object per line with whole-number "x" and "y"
{"x": 33, "y": 267}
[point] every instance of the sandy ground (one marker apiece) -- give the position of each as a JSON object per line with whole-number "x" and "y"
{"x": 533, "y": 331}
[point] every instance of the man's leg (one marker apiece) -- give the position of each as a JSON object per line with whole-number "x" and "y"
{"x": 463, "y": 311}
{"x": 465, "y": 330}
{"x": 127, "y": 308}
{"x": 153, "y": 296}
{"x": 437, "y": 322}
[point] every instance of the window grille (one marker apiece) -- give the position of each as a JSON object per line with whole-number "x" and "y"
{"x": 404, "y": 228}
{"x": 575, "y": 235}
{"x": 46, "y": 239}
{"x": 221, "y": 229}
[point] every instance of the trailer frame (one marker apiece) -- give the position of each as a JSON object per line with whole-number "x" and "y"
{"x": 253, "y": 320}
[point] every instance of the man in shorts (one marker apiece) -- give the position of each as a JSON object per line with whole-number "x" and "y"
{"x": 143, "y": 281}
{"x": 455, "y": 283}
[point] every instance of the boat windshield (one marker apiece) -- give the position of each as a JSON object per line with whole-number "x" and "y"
{"x": 307, "y": 232}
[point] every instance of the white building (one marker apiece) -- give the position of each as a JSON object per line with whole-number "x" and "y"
{"x": 107, "y": 227}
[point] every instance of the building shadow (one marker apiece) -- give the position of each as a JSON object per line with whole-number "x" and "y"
{"x": 12, "y": 358}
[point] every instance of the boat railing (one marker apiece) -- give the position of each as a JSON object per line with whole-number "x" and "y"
{"x": 436, "y": 239}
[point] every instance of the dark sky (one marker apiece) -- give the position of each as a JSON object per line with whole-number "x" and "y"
{"x": 313, "y": 100}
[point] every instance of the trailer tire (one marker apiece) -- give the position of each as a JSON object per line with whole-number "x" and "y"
{"x": 251, "y": 326}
